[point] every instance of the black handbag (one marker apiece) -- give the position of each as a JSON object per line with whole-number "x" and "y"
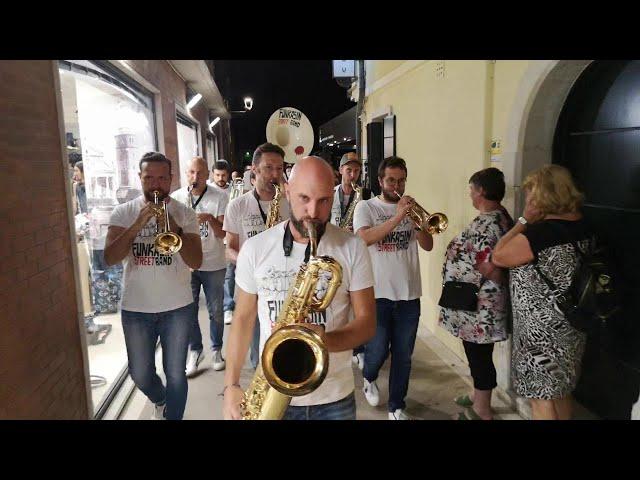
{"x": 460, "y": 296}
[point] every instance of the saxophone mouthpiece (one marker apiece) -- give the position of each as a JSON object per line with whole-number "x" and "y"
{"x": 313, "y": 236}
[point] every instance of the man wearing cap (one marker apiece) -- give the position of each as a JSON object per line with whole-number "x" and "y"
{"x": 350, "y": 168}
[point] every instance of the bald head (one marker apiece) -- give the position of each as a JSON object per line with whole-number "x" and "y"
{"x": 197, "y": 172}
{"x": 312, "y": 169}
{"x": 310, "y": 193}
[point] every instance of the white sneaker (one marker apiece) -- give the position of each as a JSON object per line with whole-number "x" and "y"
{"x": 193, "y": 360}
{"x": 159, "y": 412}
{"x": 371, "y": 393}
{"x": 228, "y": 315}
{"x": 218, "y": 361}
{"x": 360, "y": 357}
{"x": 399, "y": 415}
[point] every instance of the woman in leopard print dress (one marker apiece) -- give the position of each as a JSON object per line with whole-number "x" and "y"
{"x": 547, "y": 350}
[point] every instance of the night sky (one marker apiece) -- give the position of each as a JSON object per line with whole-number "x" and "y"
{"x": 307, "y": 85}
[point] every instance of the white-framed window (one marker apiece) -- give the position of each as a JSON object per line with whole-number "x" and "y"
{"x": 188, "y": 145}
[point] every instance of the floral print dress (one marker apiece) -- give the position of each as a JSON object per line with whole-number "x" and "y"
{"x": 471, "y": 247}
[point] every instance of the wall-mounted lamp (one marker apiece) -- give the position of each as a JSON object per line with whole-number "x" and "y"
{"x": 192, "y": 98}
{"x": 214, "y": 122}
{"x": 248, "y": 103}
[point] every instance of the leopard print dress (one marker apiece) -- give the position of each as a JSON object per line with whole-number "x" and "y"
{"x": 547, "y": 350}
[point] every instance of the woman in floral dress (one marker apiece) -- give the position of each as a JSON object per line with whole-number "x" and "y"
{"x": 467, "y": 260}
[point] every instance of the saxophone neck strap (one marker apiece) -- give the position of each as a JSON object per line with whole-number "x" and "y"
{"x": 194, "y": 205}
{"x": 287, "y": 244}
{"x": 262, "y": 214}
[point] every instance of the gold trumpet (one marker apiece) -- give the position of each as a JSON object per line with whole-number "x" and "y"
{"x": 166, "y": 243}
{"x": 432, "y": 223}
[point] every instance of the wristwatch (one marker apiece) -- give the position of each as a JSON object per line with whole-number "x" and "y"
{"x": 522, "y": 220}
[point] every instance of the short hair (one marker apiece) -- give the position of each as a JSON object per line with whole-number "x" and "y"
{"x": 553, "y": 191}
{"x": 391, "y": 162}
{"x": 80, "y": 166}
{"x": 222, "y": 165}
{"x": 154, "y": 157}
{"x": 491, "y": 180}
{"x": 266, "y": 148}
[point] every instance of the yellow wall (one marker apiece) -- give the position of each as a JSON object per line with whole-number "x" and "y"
{"x": 444, "y": 129}
{"x": 379, "y": 68}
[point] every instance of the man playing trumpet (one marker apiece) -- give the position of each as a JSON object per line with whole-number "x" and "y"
{"x": 156, "y": 293}
{"x": 393, "y": 241}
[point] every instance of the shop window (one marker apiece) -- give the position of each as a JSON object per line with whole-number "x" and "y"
{"x": 109, "y": 125}
{"x": 212, "y": 151}
{"x": 187, "y": 144}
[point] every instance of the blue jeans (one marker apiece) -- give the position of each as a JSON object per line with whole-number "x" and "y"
{"x": 141, "y": 332}
{"x": 397, "y": 325}
{"x": 344, "y": 409}
{"x": 213, "y": 285}
{"x": 229, "y": 287}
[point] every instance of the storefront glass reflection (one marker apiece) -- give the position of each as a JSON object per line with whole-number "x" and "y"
{"x": 109, "y": 125}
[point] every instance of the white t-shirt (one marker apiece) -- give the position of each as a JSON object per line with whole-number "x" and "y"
{"x": 396, "y": 265}
{"x": 263, "y": 269}
{"x": 215, "y": 203}
{"x": 152, "y": 282}
{"x": 224, "y": 190}
{"x": 243, "y": 216}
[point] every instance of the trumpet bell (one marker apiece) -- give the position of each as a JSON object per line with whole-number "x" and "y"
{"x": 168, "y": 243}
{"x": 437, "y": 223}
{"x": 295, "y": 360}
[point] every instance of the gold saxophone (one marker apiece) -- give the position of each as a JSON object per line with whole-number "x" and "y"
{"x": 295, "y": 360}
{"x": 273, "y": 217}
{"x": 348, "y": 217}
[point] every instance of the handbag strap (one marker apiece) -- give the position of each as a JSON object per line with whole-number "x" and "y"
{"x": 552, "y": 286}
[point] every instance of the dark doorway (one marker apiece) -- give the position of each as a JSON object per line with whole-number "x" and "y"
{"x": 598, "y": 139}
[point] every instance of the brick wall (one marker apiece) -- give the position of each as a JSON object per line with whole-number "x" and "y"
{"x": 41, "y": 360}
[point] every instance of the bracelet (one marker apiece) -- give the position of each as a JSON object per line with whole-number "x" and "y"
{"x": 227, "y": 386}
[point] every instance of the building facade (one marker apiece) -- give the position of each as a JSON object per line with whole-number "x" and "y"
{"x": 62, "y": 349}
{"x": 449, "y": 119}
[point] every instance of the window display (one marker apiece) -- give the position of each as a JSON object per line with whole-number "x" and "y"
{"x": 187, "y": 146}
{"x": 109, "y": 124}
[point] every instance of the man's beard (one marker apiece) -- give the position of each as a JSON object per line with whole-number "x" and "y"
{"x": 301, "y": 227}
{"x": 390, "y": 196}
{"x": 221, "y": 183}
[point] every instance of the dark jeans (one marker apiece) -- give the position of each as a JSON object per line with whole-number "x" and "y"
{"x": 344, "y": 409}
{"x": 213, "y": 285}
{"x": 141, "y": 332}
{"x": 480, "y": 357}
{"x": 397, "y": 325}
{"x": 229, "y": 287}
